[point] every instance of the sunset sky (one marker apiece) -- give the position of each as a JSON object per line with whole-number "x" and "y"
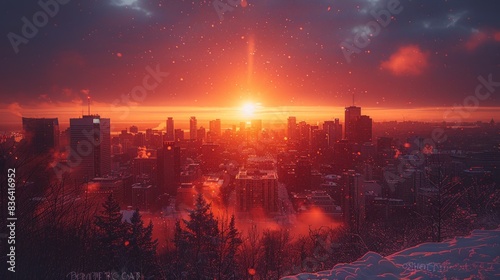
{"x": 283, "y": 56}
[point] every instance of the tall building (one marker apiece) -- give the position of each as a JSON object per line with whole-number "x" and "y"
{"x": 352, "y": 114}
{"x": 90, "y": 140}
{"x": 333, "y": 130}
{"x": 193, "y": 128}
{"x": 178, "y": 134}
{"x": 292, "y": 128}
{"x": 343, "y": 158}
{"x": 363, "y": 130}
{"x": 256, "y": 126}
{"x": 303, "y": 174}
{"x": 170, "y": 135}
{"x": 202, "y": 133}
{"x": 42, "y": 135}
{"x": 257, "y": 190}
{"x": 215, "y": 128}
{"x": 353, "y": 199}
{"x": 169, "y": 168}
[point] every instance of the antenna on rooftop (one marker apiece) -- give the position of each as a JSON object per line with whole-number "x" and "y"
{"x": 88, "y": 103}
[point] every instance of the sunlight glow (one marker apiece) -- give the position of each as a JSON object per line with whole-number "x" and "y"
{"x": 248, "y": 109}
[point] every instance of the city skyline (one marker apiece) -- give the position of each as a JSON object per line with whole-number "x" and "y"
{"x": 250, "y": 139}
{"x": 413, "y": 65}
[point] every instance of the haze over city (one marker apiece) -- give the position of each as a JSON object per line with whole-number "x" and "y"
{"x": 249, "y": 139}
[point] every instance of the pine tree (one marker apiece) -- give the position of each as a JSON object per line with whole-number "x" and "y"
{"x": 230, "y": 241}
{"x": 141, "y": 248}
{"x": 110, "y": 236}
{"x": 197, "y": 242}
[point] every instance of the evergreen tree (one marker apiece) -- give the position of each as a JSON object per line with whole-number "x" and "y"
{"x": 141, "y": 248}
{"x": 110, "y": 236}
{"x": 230, "y": 241}
{"x": 197, "y": 243}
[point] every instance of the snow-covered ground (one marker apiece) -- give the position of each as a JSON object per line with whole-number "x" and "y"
{"x": 476, "y": 256}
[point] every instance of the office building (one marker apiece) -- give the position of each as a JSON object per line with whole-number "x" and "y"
{"x": 215, "y": 128}
{"x": 333, "y": 130}
{"x": 257, "y": 190}
{"x": 352, "y": 114}
{"x": 169, "y": 168}
{"x": 292, "y": 128}
{"x": 353, "y": 199}
{"x": 170, "y": 136}
{"x": 90, "y": 140}
{"x": 193, "y": 128}
{"x": 179, "y": 135}
{"x": 363, "y": 130}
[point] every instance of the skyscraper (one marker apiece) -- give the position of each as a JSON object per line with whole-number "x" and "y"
{"x": 215, "y": 128}
{"x": 352, "y": 113}
{"x": 42, "y": 135}
{"x": 169, "y": 168}
{"x": 170, "y": 136}
{"x": 202, "y": 133}
{"x": 193, "y": 128}
{"x": 292, "y": 128}
{"x": 363, "y": 130}
{"x": 90, "y": 140}
{"x": 179, "y": 135}
{"x": 353, "y": 199}
{"x": 334, "y": 131}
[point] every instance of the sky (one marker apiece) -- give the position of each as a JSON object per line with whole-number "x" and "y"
{"x": 146, "y": 60}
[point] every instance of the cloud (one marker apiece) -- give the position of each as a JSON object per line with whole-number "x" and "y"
{"x": 478, "y": 38}
{"x": 408, "y": 60}
{"x": 133, "y": 4}
{"x": 15, "y": 109}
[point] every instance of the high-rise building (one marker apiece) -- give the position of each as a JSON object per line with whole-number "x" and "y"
{"x": 202, "y": 133}
{"x": 90, "y": 140}
{"x": 353, "y": 199}
{"x": 333, "y": 130}
{"x": 178, "y": 134}
{"x": 363, "y": 130}
{"x": 292, "y": 128}
{"x": 257, "y": 190}
{"x": 256, "y": 125}
{"x": 215, "y": 128}
{"x": 42, "y": 135}
{"x": 303, "y": 174}
{"x": 169, "y": 168}
{"x": 352, "y": 114}
{"x": 193, "y": 128}
{"x": 170, "y": 136}
{"x": 343, "y": 158}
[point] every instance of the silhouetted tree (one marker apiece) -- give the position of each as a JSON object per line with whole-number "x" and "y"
{"x": 141, "y": 248}
{"x": 110, "y": 251}
{"x": 228, "y": 248}
{"x": 197, "y": 242}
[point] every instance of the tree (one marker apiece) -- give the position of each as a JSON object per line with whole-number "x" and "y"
{"x": 141, "y": 248}
{"x": 274, "y": 255}
{"x": 197, "y": 243}
{"x": 228, "y": 248}
{"x": 110, "y": 236}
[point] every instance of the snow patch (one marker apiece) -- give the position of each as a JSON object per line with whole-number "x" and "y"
{"x": 474, "y": 256}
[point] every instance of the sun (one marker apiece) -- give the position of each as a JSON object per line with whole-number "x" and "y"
{"x": 248, "y": 109}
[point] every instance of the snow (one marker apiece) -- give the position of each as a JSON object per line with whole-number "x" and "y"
{"x": 476, "y": 256}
